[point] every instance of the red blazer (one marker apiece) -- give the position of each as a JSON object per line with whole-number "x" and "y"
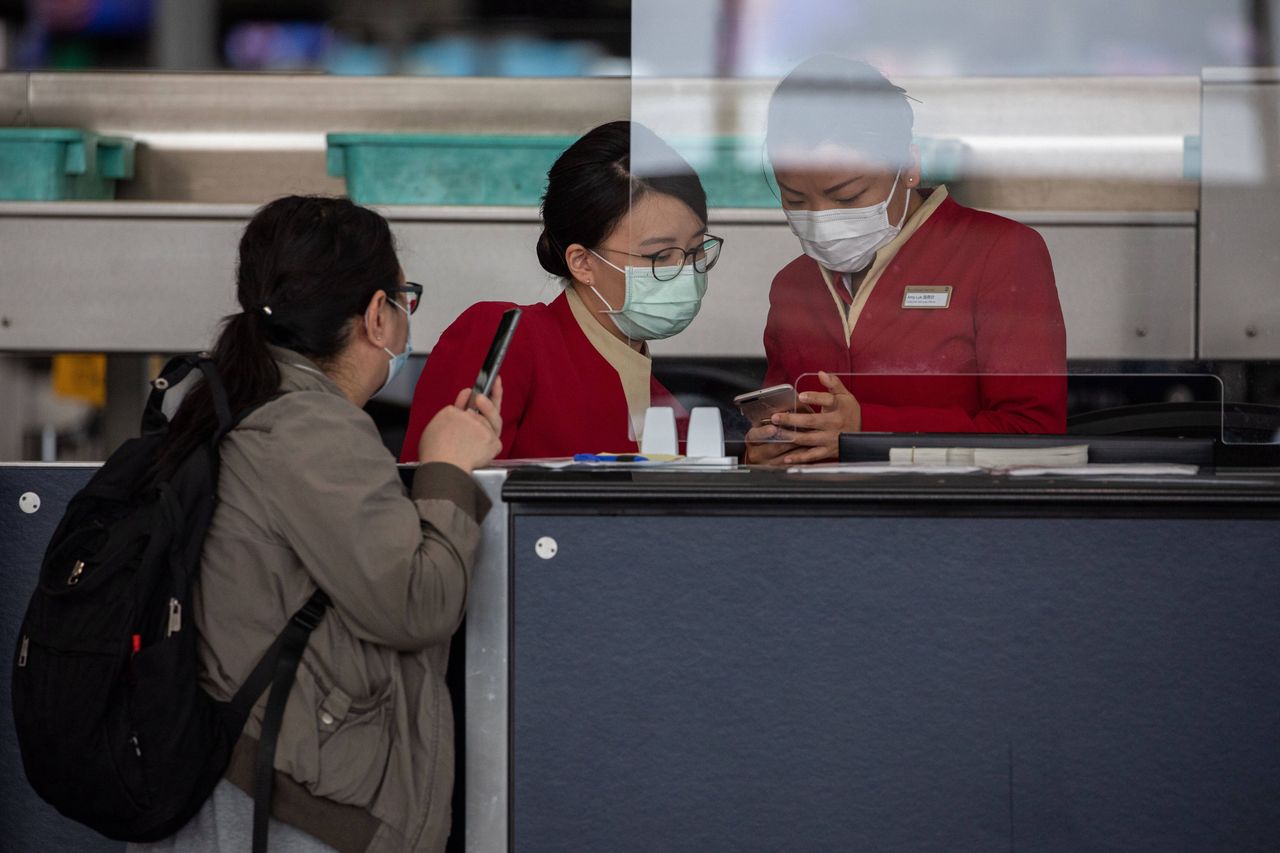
{"x": 1003, "y": 325}
{"x": 560, "y": 396}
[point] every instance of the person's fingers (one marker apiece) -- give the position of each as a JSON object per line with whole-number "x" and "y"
{"x": 833, "y": 384}
{"x": 480, "y": 421}
{"x": 819, "y": 399}
{"x": 816, "y": 438}
{"x": 460, "y": 401}
{"x": 489, "y": 411}
{"x": 761, "y": 433}
{"x": 496, "y": 394}
{"x": 758, "y": 453}
{"x": 776, "y": 461}
{"x": 800, "y": 421}
{"x": 810, "y": 455}
{"x": 786, "y": 437}
{"x": 761, "y": 453}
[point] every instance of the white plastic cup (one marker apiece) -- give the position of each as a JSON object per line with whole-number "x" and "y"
{"x": 659, "y": 432}
{"x": 706, "y": 433}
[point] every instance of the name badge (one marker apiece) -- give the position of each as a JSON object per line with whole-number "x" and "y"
{"x": 921, "y": 296}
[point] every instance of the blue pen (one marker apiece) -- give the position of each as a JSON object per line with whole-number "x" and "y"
{"x": 608, "y": 457}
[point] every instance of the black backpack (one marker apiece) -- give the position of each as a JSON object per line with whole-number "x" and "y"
{"x": 115, "y": 731}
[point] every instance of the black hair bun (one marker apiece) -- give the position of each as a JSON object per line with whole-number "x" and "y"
{"x": 551, "y": 259}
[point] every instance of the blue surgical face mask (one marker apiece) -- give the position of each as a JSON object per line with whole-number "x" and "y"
{"x": 397, "y": 362}
{"x": 653, "y": 309}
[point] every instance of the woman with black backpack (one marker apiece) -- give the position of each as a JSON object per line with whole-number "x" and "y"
{"x": 309, "y": 499}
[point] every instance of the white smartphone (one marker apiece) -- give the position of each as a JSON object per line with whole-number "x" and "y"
{"x": 759, "y": 406}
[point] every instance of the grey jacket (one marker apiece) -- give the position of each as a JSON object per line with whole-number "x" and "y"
{"x": 309, "y": 497}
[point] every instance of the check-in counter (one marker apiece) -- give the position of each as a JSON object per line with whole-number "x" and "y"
{"x": 754, "y": 660}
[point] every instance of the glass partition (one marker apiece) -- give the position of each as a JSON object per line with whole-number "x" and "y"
{"x": 1008, "y": 218}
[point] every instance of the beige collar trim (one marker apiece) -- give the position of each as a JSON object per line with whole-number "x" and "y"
{"x": 884, "y": 256}
{"x": 634, "y": 368}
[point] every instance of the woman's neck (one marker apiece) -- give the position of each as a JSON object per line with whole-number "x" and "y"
{"x": 341, "y": 374}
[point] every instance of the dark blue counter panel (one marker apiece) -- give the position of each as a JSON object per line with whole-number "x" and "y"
{"x": 26, "y": 822}
{"x": 908, "y": 683}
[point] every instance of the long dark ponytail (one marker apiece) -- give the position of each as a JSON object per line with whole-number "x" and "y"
{"x": 307, "y": 267}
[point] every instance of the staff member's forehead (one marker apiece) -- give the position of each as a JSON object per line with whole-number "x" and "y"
{"x": 660, "y": 221}
{"x": 828, "y": 157}
{"x": 847, "y": 185}
{"x": 671, "y": 240}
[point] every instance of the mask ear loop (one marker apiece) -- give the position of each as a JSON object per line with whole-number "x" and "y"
{"x": 906, "y": 202}
{"x": 408, "y": 339}
{"x": 766, "y": 168}
{"x": 612, "y": 311}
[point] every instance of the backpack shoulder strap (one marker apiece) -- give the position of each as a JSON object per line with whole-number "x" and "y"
{"x": 278, "y": 667}
{"x": 175, "y": 371}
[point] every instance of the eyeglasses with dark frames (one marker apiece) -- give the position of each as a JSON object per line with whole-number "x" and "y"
{"x": 670, "y": 262}
{"x": 414, "y": 290}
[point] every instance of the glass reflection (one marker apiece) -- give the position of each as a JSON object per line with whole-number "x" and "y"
{"x": 1115, "y": 167}
{"x": 898, "y": 280}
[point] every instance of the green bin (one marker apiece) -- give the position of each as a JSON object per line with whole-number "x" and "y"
{"x": 512, "y": 170}
{"x": 58, "y": 164}
{"x": 444, "y": 169}
{"x": 733, "y": 169}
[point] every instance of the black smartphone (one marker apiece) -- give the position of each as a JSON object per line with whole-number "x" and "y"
{"x": 497, "y": 352}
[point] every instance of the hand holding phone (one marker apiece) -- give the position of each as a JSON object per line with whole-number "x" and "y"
{"x": 493, "y": 360}
{"x": 467, "y": 440}
{"x": 759, "y": 406}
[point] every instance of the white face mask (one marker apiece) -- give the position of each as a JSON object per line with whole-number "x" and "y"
{"x": 846, "y": 240}
{"x": 397, "y": 361}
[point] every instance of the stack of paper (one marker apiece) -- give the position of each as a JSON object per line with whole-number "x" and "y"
{"x": 1112, "y": 470}
{"x": 880, "y": 468}
{"x": 992, "y": 457}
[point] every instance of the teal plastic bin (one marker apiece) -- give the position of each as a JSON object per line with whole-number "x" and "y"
{"x": 444, "y": 169}
{"x": 512, "y": 170}
{"x": 735, "y": 171}
{"x": 57, "y": 164}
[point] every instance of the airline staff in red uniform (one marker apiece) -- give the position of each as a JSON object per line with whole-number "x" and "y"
{"x": 632, "y": 251}
{"x": 907, "y": 312}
